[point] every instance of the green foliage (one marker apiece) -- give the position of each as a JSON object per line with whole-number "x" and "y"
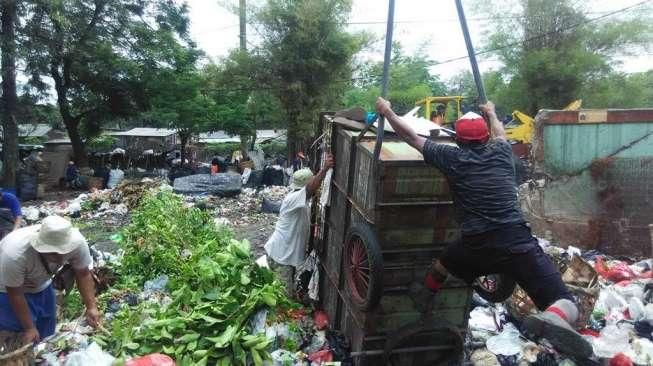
{"x": 214, "y": 284}
{"x": 242, "y": 106}
{"x": 618, "y": 90}
{"x": 223, "y": 149}
{"x": 72, "y": 306}
{"x": 274, "y": 148}
{"x": 101, "y": 55}
{"x": 410, "y": 81}
{"x": 101, "y": 143}
{"x": 307, "y": 52}
{"x": 32, "y": 140}
{"x": 554, "y": 54}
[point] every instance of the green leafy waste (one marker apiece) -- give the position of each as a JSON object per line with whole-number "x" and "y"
{"x": 214, "y": 284}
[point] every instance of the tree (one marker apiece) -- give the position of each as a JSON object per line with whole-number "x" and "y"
{"x": 307, "y": 53}
{"x": 410, "y": 81}
{"x": 100, "y": 54}
{"x": 9, "y": 98}
{"x": 242, "y": 105}
{"x": 553, "y": 52}
{"x": 178, "y": 102}
{"x": 620, "y": 90}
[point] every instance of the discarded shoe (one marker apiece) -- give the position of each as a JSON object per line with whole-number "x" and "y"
{"x": 557, "y": 331}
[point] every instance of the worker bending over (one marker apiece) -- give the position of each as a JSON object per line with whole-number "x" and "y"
{"x": 28, "y": 259}
{"x": 495, "y": 237}
{"x": 286, "y": 248}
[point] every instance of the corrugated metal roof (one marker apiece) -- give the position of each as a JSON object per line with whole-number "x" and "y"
{"x": 33, "y": 130}
{"x": 145, "y": 132}
{"x": 222, "y": 136}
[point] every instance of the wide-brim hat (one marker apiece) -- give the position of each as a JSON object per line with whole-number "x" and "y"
{"x": 300, "y": 178}
{"x": 56, "y": 235}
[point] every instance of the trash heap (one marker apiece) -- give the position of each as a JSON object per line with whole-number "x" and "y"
{"x": 615, "y": 296}
{"x": 251, "y": 215}
{"x": 185, "y": 288}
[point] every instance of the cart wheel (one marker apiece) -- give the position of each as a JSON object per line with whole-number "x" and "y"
{"x": 495, "y": 287}
{"x": 363, "y": 267}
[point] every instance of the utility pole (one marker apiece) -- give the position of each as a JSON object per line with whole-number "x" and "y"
{"x": 243, "y": 28}
{"x": 9, "y": 98}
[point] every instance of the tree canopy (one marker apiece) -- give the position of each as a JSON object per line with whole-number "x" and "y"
{"x": 307, "y": 54}
{"x": 554, "y": 52}
{"x": 100, "y": 55}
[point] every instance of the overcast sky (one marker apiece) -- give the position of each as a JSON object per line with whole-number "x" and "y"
{"x": 417, "y": 22}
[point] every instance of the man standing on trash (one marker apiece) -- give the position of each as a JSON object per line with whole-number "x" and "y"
{"x": 495, "y": 237}
{"x": 286, "y": 248}
{"x": 28, "y": 257}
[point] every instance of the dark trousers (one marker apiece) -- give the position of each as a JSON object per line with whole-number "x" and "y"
{"x": 512, "y": 251}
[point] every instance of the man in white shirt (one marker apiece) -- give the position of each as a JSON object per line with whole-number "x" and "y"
{"x": 286, "y": 248}
{"x": 28, "y": 257}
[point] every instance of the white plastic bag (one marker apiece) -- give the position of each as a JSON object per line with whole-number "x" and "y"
{"x": 612, "y": 340}
{"x": 93, "y": 355}
{"x": 506, "y": 343}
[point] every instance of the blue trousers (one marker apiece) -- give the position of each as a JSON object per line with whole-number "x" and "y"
{"x": 42, "y": 307}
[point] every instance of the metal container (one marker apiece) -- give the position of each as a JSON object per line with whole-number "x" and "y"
{"x": 396, "y": 215}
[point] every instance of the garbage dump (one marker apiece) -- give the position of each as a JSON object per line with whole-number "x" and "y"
{"x": 178, "y": 288}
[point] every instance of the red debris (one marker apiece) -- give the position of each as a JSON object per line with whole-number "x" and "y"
{"x": 616, "y": 273}
{"x": 321, "y": 319}
{"x": 155, "y": 359}
{"x": 621, "y": 360}
{"x": 320, "y": 357}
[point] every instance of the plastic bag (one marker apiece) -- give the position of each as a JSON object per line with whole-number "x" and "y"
{"x": 613, "y": 340}
{"x": 155, "y": 359}
{"x": 616, "y": 273}
{"x": 483, "y": 357}
{"x": 320, "y": 357}
{"x": 506, "y": 343}
{"x": 482, "y": 318}
{"x": 156, "y": 285}
{"x": 621, "y": 360}
{"x": 92, "y": 355}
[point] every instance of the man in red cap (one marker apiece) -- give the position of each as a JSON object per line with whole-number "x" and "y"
{"x": 495, "y": 237}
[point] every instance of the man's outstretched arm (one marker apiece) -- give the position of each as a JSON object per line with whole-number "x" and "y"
{"x": 402, "y": 129}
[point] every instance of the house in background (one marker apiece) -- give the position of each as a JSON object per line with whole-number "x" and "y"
{"x": 145, "y": 138}
{"x": 262, "y": 136}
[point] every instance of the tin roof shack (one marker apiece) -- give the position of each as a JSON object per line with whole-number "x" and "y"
{"x": 598, "y": 169}
{"x": 146, "y": 138}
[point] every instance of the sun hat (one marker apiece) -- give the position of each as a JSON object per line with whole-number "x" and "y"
{"x": 472, "y": 128}
{"x": 56, "y": 235}
{"x": 300, "y": 178}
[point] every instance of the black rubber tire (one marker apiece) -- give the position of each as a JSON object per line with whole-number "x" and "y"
{"x": 505, "y": 286}
{"x": 371, "y": 297}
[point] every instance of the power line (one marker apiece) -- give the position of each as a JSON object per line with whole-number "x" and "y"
{"x": 517, "y": 43}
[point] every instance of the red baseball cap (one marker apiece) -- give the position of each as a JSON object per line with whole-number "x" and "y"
{"x": 472, "y": 128}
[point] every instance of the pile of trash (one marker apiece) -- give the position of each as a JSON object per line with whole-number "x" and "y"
{"x": 615, "y": 297}
{"x": 250, "y": 215}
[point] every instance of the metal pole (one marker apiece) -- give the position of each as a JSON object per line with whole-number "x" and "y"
{"x": 243, "y": 25}
{"x": 386, "y": 76}
{"x": 470, "y": 52}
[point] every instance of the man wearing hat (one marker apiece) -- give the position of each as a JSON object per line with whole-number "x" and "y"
{"x": 286, "y": 248}
{"x": 495, "y": 237}
{"x": 28, "y": 257}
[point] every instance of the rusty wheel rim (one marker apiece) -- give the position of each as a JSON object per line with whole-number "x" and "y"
{"x": 358, "y": 269}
